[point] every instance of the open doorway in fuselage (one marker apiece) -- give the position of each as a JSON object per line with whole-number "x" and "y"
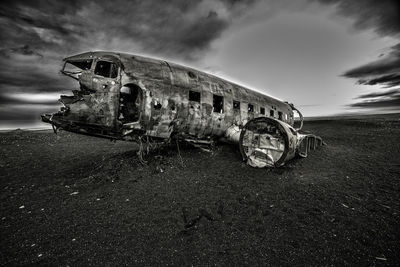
{"x": 130, "y": 103}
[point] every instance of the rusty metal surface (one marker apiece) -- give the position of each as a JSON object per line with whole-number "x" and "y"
{"x": 122, "y": 95}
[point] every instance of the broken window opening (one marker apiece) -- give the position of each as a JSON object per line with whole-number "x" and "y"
{"x": 83, "y": 65}
{"x": 218, "y": 104}
{"x": 262, "y": 111}
{"x": 236, "y": 105}
{"x": 191, "y": 75}
{"x": 106, "y": 69}
{"x": 74, "y": 68}
{"x": 194, "y": 96}
{"x": 271, "y": 113}
{"x": 280, "y": 117}
{"x": 250, "y": 108}
{"x": 130, "y": 103}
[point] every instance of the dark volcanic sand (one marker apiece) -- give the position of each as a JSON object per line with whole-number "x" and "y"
{"x": 338, "y": 206}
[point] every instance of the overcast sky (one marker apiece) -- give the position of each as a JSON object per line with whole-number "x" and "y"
{"x": 327, "y": 57}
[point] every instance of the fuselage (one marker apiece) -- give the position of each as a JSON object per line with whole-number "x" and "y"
{"x": 122, "y": 94}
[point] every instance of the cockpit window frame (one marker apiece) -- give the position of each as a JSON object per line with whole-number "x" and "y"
{"x": 110, "y": 70}
{"x": 75, "y": 74}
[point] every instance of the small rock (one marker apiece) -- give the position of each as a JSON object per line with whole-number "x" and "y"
{"x": 22, "y": 207}
{"x": 40, "y": 255}
{"x": 73, "y": 239}
{"x": 344, "y": 205}
{"x": 74, "y": 193}
{"x": 127, "y": 199}
{"x": 33, "y": 245}
{"x": 97, "y": 199}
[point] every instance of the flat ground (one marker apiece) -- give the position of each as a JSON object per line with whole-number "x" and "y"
{"x": 79, "y": 200}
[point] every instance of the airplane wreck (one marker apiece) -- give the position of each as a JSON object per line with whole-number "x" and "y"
{"x": 129, "y": 97}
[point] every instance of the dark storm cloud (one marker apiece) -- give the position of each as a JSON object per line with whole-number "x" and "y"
{"x": 382, "y": 16}
{"x": 25, "y": 70}
{"x": 384, "y": 71}
{"x": 389, "y": 93}
{"x": 181, "y": 27}
{"x": 23, "y": 50}
{"x": 392, "y": 102}
{"x": 389, "y": 100}
{"x": 390, "y": 80}
{"x": 387, "y": 64}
